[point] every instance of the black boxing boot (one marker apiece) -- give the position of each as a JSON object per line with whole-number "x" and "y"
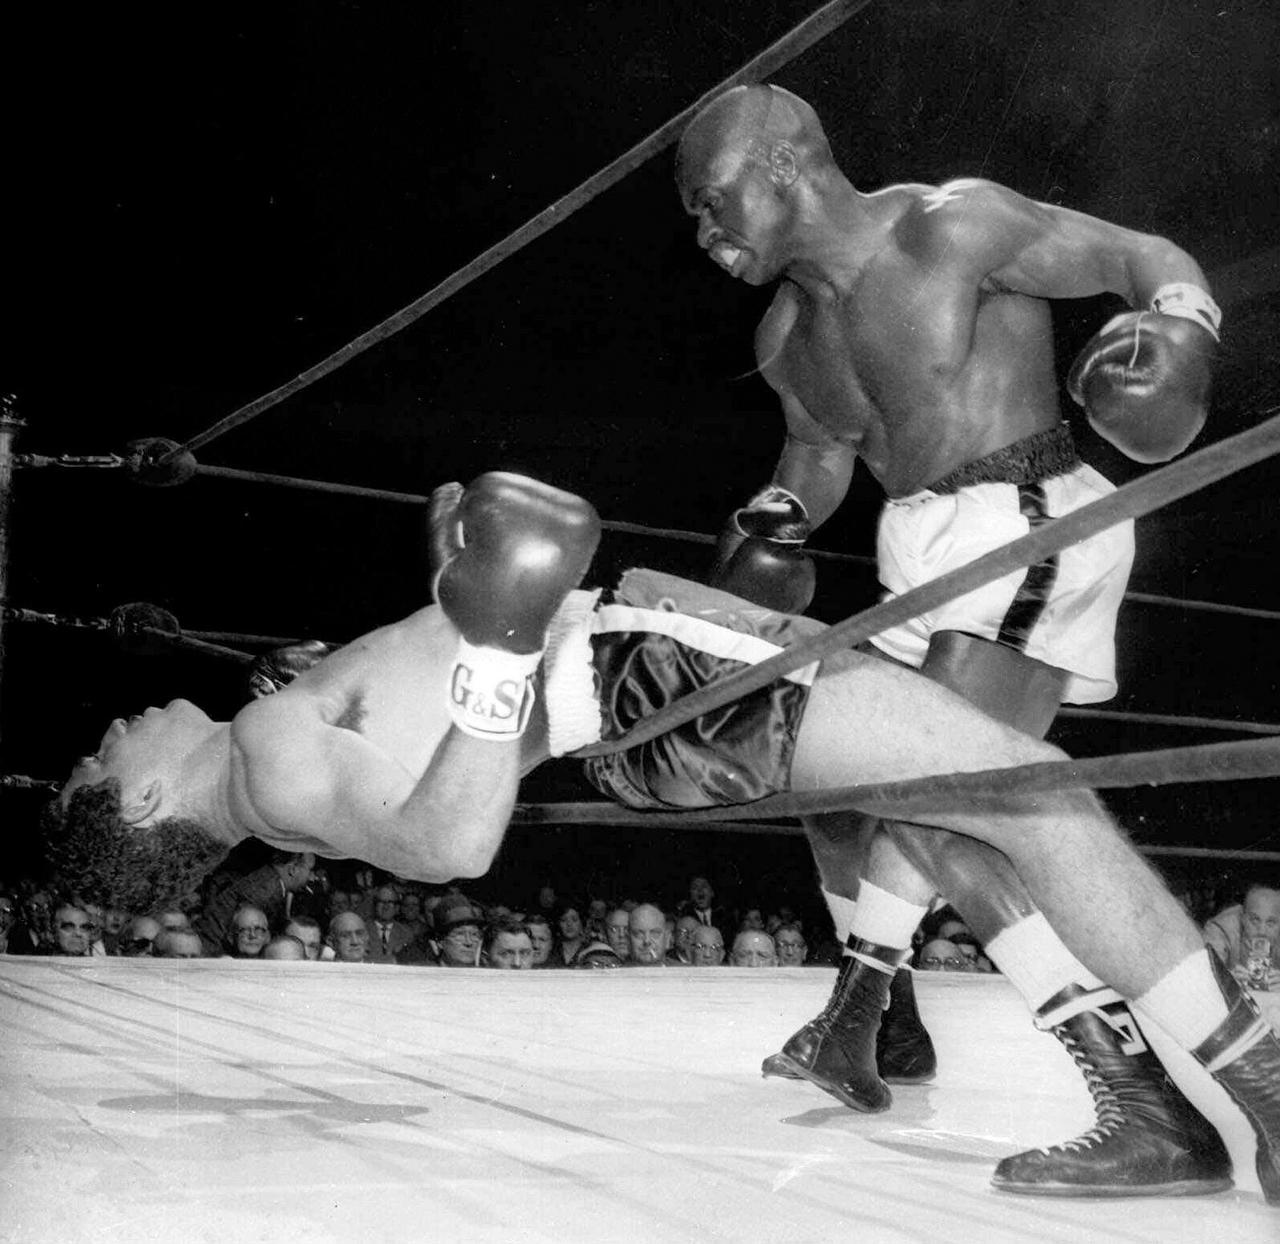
{"x": 904, "y": 1049}
{"x": 837, "y": 1050}
{"x": 1148, "y": 1140}
{"x": 1243, "y": 1055}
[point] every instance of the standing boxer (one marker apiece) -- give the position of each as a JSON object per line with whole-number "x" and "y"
{"x": 911, "y": 329}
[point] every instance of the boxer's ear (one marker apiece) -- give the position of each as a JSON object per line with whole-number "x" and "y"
{"x": 784, "y": 165}
{"x": 137, "y": 806}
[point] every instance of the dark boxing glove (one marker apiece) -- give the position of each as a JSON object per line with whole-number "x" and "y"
{"x": 1144, "y": 379}
{"x": 761, "y": 553}
{"x": 507, "y": 551}
{"x": 275, "y": 670}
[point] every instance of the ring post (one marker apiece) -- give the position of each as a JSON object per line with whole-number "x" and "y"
{"x": 10, "y": 426}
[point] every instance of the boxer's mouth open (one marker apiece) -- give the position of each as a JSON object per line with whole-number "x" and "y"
{"x": 725, "y": 254}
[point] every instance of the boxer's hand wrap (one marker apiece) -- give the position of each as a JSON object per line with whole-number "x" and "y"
{"x": 508, "y": 550}
{"x": 491, "y": 692}
{"x": 1144, "y": 380}
{"x": 761, "y": 555}
{"x": 1189, "y": 302}
{"x": 774, "y": 513}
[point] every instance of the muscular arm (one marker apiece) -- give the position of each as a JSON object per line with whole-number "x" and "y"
{"x": 1038, "y": 249}
{"x": 302, "y": 780}
{"x": 813, "y": 464}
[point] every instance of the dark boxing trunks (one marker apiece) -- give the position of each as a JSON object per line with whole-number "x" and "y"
{"x": 681, "y": 636}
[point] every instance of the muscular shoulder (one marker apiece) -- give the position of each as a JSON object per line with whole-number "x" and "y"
{"x": 774, "y": 328}
{"x": 968, "y": 222}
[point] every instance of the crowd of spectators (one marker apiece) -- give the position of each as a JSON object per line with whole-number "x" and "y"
{"x": 268, "y": 904}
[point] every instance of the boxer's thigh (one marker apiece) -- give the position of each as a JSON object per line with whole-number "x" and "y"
{"x": 872, "y": 721}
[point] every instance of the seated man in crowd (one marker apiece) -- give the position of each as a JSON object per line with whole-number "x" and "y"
{"x": 73, "y": 930}
{"x": 538, "y": 926}
{"x": 459, "y": 932}
{"x": 706, "y": 946}
{"x": 350, "y": 938}
{"x": 254, "y": 875}
{"x": 753, "y": 948}
{"x": 1246, "y": 936}
{"x": 682, "y": 939}
{"x": 406, "y": 747}
{"x": 282, "y": 946}
{"x": 138, "y": 937}
{"x": 180, "y": 944}
{"x": 306, "y": 930}
{"x": 940, "y": 954}
{"x": 647, "y": 935}
{"x": 507, "y": 945}
{"x": 250, "y": 932}
{"x": 789, "y": 941}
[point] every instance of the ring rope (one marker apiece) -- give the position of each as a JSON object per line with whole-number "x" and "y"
{"x": 213, "y": 641}
{"x": 986, "y": 790}
{"x": 532, "y": 815}
{"x": 126, "y": 630}
{"x": 1138, "y": 497}
{"x": 814, "y": 28}
{"x": 1170, "y": 719}
{"x": 679, "y": 534}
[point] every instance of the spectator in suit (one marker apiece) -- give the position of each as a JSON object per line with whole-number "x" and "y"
{"x": 350, "y": 937}
{"x": 33, "y": 934}
{"x": 411, "y": 912}
{"x": 257, "y": 876}
{"x": 388, "y": 938}
{"x": 700, "y": 904}
{"x": 753, "y": 948}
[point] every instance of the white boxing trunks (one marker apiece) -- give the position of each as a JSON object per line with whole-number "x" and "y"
{"x": 1062, "y": 611}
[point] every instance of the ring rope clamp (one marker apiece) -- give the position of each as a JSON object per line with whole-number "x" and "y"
{"x": 111, "y": 462}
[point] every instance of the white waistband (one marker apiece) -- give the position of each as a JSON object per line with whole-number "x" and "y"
{"x": 572, "y": 697}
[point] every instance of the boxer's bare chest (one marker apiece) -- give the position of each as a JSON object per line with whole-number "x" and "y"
{"x": 892, "y": 365}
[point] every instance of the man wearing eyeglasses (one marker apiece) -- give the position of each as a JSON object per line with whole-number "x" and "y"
{"x": 941, "y": 955}
{"x": 73, "y": 931}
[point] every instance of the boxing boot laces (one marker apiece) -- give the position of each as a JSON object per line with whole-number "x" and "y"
{"x": 1148, "y": 1140}
{"x": 837, "y": 1050}
{"x": 1243, "y": 1055}
{"x": 780, "y": 1064}
{"x": 904, "y": 1049}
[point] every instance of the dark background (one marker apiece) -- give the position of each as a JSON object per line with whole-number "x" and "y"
{"x": 203, "y": 201}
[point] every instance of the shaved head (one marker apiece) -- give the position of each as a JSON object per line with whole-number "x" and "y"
{"x": 743, "y": 126}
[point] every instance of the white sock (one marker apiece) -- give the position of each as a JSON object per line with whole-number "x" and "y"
{"x": 1036, "y": 962}
{"x": 841, "y": 910}
{"x": 884, "y": 918}
{"x": 1186, "y": 1002}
